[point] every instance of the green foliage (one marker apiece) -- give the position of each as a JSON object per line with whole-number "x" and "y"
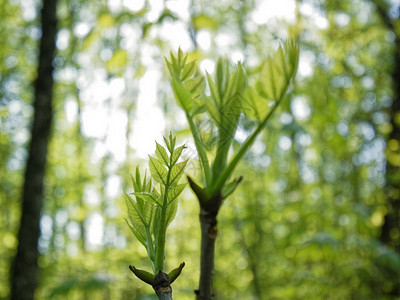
{"x": 151, "y": 211}
{"x": 93, "y": 282}
{"x": 117, "y": 61}
{"x": 224, "y": 107}
{"x": 202, "y": 21}
{"x": 230, "y": 96}
{"x": 276, "y": 75}
{"x": 305, "y": 221}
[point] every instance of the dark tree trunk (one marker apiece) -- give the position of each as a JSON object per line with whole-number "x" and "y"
{"x": 24, "y": 273}
{"x": 391, "y": 227}
{"x": 390, "y": 230}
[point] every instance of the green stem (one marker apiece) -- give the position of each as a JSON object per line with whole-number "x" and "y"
{"x": 160, "y": 251}
{"x": 220, "y": 161}
{"x": 150, "y": 248}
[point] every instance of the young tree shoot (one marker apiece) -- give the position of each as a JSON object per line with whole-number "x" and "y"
{"x": 230, "y": 97}
{"x": 151, "y": 210}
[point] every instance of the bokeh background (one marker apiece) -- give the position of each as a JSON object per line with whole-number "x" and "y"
{"x": 310, "y": 219}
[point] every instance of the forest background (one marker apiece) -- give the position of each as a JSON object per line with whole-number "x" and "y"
{"x": 318, "y": 212}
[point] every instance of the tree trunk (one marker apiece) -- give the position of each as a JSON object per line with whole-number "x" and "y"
{"x": 24, "y": 273}
{"x": 390, "y": 229}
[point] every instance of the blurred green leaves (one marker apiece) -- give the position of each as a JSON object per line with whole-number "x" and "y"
{"x": 118, "y": 61}
{"x": 92, "y": 282}
{"x": 276, "y": 75}
{"x": 328, "y": 142}
{"x": 203, "y": 21}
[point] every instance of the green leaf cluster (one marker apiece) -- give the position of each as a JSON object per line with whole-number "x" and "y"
{"x": 150, "y": 211}
{"x": 187, "y": 83}
{"x": 276, "y": 74}
{"x": 230, "y": 97}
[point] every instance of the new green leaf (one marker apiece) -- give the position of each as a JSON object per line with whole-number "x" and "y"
{"x": 158, "y": 171}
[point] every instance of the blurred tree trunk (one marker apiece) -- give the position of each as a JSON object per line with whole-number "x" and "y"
{"x": 390, "y": 231}
{"x": 24, "y": 273}
{"x": 391, "y": 228}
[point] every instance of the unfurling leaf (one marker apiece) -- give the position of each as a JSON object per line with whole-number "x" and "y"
{"x": 177, "y": 172}
{"x": 273, "y": 81}
{"x": 171, "y": 211}
{"x": 150, "y": 198}
{"x": 170, "y": 142}
{"x": 175, "y": 191}
{"x": 195, "y": 86}
{"x": 134, "y": 213}
{"x": 188, "y": 70}
{"x": 254, "y": 106}
{"x": 176, "y": 154}
{"x": 214, "y": 91}
{"x": 136, "y": 233}
{"x": 158, "y": 171}
{"x": 162, "y": 154}
{"x": 182, "y": 95}
{"x": 136, "y": 181}
{"x": 278, "y": 71}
